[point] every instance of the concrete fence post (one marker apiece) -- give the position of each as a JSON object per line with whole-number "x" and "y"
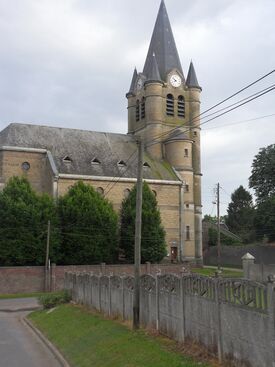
{"x": 123, "y": 298}
{"x": 182, "y": 308}
{"x": 248, "y": 261}
{"x": 53, "y": 278}
{"x": 109, "y": 297}
{"x": 157, "y": 302}
{"x": 103, "y": 268}
{"x": 271, "y": 314}
{"x": 218, "y": 319}
{"x": 99, "y": 292}
{"x": 148, "y": 267}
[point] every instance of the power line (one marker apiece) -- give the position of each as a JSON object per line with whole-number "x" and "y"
{"x": 211, "y": 119}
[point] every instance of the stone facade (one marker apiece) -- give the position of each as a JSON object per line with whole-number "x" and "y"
{"x": 54, "y": 159}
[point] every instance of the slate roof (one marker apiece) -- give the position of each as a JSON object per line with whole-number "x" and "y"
{"x": 153, "y": 73}
{"x": 82, "y": 147}
{"x": 192, "y": 81}
{"x": 163, "y": 46}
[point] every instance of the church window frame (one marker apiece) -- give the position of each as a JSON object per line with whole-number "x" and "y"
{"x": 170, "y": 105}
{"x": 187, "y": 187}
{"x": 100, "y": 190}
{"x": 137, "y": 110}
{"x": 188, "y": 236}
{"x": 186, "y": 152}
{"x": 181, "y": 107}
{"x": 25, "y": 166}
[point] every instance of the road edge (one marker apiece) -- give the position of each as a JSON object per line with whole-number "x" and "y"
{"x": 63, "y": 362}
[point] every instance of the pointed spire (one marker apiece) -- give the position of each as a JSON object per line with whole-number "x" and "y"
{"x": 133, "y": 82}
{"x": 192, "y": 81}
{"x": 163, "y": 45}
{"x": 153, "y": 70}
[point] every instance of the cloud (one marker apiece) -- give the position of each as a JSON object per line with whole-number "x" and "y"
{"x": 70, "y": 62}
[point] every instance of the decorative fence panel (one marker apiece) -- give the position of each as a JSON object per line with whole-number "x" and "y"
{"x": 233, "y": 318}
{"x": 148, "y": 312}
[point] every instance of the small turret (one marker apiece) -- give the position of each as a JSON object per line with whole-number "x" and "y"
{"x": 133, "y": 84}
{"x": 153, "y": 75}
{"x": 192, "y": 81}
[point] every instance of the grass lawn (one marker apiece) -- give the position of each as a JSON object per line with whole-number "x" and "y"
{"x": 226, "y": 273}
{"x": 23, "y": 295}
{"x": 89, "y": 340}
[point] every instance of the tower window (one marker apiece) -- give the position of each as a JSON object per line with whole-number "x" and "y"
{"x": 181, "y": 107}
{"x": 187, "y": 233}
{"x": 143, "y": 108}
{"x": 186, "y": 152}
{"x": 186, "y": 188}
{"x": 137, "y": 110}
{"x": 170, "y": 105}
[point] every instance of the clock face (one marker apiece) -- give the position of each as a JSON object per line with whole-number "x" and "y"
{"x": 139, "y": 84}
{"x": 175, "y": 80}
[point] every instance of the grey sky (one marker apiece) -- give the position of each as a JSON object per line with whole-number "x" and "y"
{"x": 69, "y": 63}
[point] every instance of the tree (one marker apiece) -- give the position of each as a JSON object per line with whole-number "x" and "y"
{"x": 23, "y": 225}
{"x": 240, "y": 214}
{"x": 262, "y": 179}
{"x": 265, "y": 219}
{"x": 153, "y": 247}
{"x": 89, "y": 227}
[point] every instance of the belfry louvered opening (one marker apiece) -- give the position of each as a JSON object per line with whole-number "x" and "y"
{"x": 137, "y": 110}
{"x": 181, "y": 107}
{"x": 143, "y": 108}
{"x": 170, "y": 105}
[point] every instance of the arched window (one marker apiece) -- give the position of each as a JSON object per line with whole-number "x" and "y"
{"x": 137, "y": 110}
{"x": 100, "y": 190}
{"x": 126, "y": 193}
{"x": 143, "y": 108}
{"x": 170, "y": 105}
{"x": 181, "y": 107}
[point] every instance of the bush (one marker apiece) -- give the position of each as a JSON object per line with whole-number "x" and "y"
{"x": 52, "y": 300}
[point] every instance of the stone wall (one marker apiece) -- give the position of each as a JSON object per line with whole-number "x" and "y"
{"x": 257, "y": 272}
{"x": 32, "y": 279}
{"x": 232, "y": 318}
{"x": 232, "y": 255}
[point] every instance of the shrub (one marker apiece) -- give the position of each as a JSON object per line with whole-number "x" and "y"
{"x": 52, "y": 300}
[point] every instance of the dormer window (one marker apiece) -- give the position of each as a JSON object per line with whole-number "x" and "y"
{"x": 146, "y": 165}
{"x": 121, "y": 164}
{"x": 170, "y": 105}
{"x": 67, "y": 159}
{"x": 95, "y": 161}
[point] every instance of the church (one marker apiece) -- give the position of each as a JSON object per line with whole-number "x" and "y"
{"x": 164, "y": 110}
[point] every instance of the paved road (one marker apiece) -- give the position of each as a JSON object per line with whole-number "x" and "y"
{"x": 19, "y": 346}
{"x": 18, "y": 304}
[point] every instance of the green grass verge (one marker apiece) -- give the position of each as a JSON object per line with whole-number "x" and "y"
{"x": 226, "y": 273}
{"x": 25, "y": 295}
{"x": 87, "y": 339}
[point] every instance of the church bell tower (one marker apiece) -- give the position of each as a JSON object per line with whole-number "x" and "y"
{"x": 164, "y": 109}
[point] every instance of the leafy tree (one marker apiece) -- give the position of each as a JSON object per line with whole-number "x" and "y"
{"x": 23, "y": 225}
{"x": 153, "y": 247}
{"x": 265, "y": 219}
{"x": 262, "y": 179}
{"x": 89, "y": 227}
{"x": 240, "y": 214}
{"x": 225, "y": 240}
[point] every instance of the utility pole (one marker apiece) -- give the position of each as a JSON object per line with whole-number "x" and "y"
{"x": 47, "y": 257}
{"x": 219, "y": 227}
{"x": 136, "y": 311}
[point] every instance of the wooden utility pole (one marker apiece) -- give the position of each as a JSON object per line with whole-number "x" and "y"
{"x": 47, "y": 258}
{"x": 136, "y": 311}
{"x": 219, "y": 227}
